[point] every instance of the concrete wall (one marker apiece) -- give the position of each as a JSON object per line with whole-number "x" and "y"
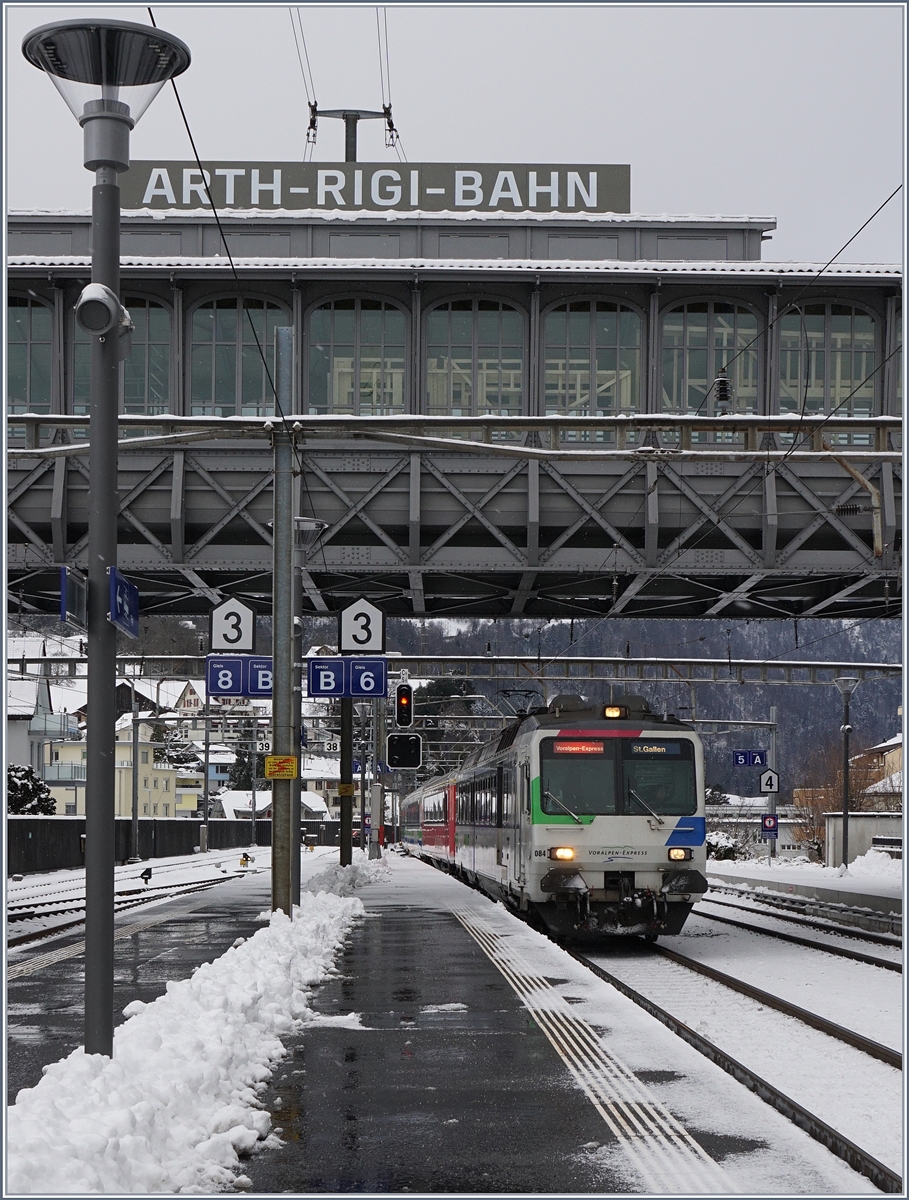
{"x": 863, "y": 827}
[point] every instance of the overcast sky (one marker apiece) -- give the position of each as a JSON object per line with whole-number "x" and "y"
{"x": 792, "y": 111}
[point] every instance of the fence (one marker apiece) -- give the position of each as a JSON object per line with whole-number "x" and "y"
{"x": 35, "y": 844}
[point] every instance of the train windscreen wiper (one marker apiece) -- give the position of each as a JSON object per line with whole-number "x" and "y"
{"x": 633, "y": 794}
{"x": 574, "y": 816}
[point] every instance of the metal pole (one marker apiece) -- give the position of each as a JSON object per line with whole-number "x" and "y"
{"x": 253, "y": 759}
{"x": 771, "y": 762}
{"x": 101, "y": 714}
{"x": 135, "y": 822}
{"x": 363, "y": 777}
{"x": 282, "y": 626}
{"x": 206, "y": 764}
{"x": 345, "y": 787}
{"x": 350, "y": 137}
{"x": 846, "y": 780}
{"x": 297, "y": 787}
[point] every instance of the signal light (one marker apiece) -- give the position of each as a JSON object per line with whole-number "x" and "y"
{"x": 403, "y": 705}
{"x": 404, "y": 750}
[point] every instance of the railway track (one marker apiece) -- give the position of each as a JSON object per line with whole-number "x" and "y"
{"x": 793, "y": 916}
{"x": 883, "y": 1178}
{"x": 123, "y": 901}
{"x": 812, "y": 943}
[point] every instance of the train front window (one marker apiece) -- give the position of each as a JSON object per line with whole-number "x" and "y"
{"x": 658, "y": 774}
{"x": 577, "y": 777}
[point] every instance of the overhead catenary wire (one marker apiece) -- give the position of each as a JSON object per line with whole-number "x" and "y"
{"x": 309, "y": 84}
{"x": 279, "y": 412}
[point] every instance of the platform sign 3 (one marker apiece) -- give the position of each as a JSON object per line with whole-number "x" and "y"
{"x": 361, "y": 629}
{"x": 232, "y": 627}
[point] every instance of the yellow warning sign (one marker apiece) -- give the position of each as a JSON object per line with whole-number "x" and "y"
{"x": 280, "y": 766}
{"x": 345, "y": 789}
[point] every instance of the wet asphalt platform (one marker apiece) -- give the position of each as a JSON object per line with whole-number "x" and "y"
{"x": 435, "y": 1074}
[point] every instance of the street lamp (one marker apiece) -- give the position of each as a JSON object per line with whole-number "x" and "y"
{"x": 847, "y": 685}
{"x": 108, "y": 72}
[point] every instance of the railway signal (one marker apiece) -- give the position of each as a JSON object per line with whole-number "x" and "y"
{"x": 403, "y": 705}
{"x": 404, "y": 750}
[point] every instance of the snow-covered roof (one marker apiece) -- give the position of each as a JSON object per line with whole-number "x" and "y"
{"x": 890, "y": 744}
{"x": 216, "y": 263}
{"x": 314, "y": 802}
{"x": 69, "y": 695}
{"x": 239, "y": 803}
{"x": 390, "y": 217}
{"x": 888, "y": 786}
{"x": 126, "y": 720}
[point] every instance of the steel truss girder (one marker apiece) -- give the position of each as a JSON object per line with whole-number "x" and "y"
{"x": 432, "y": 531}
{"x": 511, "y": 668}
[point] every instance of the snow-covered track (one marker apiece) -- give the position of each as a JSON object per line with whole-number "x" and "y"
{"x": 800, "y": 910}
{"x": 123, "y": 901}
{"x": 886, "y": 1054}
{"x": 865, "y": 1164}
{"x": 812, "y": 943}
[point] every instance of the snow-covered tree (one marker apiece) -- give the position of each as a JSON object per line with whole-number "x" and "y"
{"x": 26, "y": 794}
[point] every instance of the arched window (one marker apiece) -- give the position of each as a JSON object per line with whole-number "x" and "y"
{"x": 29, "y": 335}
{"x": 146, "y": 371}
{"x": 827, "y": 360}
{"x": 592, "y": 359}
{"x": 356, "y": 358}
{"x": 700, "y": 338}
{"x": 475, "y": 359}
{"x": 227, "y": 375}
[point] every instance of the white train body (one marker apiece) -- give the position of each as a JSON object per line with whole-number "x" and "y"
{"x": 590, "y": 816}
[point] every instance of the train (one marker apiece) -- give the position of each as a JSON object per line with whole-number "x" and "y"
{"x": 587, "y": 818}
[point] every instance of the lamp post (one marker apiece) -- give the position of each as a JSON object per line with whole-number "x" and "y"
{"x": 108, "y": 72}
{"x": 847, "y": 685}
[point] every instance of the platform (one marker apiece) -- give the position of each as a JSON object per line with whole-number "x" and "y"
{"x": 454, "y": 1051}
{"x": 853, "y": 891}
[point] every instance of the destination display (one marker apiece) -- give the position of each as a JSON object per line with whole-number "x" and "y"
{"x": 377, "y": 187}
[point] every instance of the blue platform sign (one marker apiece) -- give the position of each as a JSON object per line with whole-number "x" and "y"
{"x": 258, "y": 677}
{"x": 238, "y": 675}
{"x": 344, "y": 678}
{"x": 326, "y": 676}
{"x": 367, "y": 677}
{"x": 749, "y": 758}
{"x": 73, "y": 598}
{"x": 124, "y": 603}
{"x": 224, "y": 675}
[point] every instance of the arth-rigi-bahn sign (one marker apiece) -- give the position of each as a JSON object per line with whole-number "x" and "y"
{"x": 378, "y": 187}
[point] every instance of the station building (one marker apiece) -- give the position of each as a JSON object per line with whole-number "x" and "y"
{"x": 557, "y": 309}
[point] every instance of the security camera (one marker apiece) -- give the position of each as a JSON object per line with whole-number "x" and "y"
{"x": 98, "y": 310}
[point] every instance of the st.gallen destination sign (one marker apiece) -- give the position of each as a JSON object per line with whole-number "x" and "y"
{"x": 376, "y": 187}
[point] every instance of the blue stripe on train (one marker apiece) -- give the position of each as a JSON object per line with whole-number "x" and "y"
{"x": 689, "y": 831}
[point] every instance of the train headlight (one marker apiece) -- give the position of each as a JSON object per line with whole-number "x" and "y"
{"x": 615, "y": 712}
{"x": 562, "y": 853}
{"x": 679, "y": 854}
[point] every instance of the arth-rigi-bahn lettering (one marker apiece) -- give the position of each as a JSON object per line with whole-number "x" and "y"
{"x": 376, "y": 187}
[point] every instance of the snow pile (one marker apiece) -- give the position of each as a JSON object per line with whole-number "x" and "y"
{"x": 177, "y": 1104}
{"x": 342, "y": 881}
{"x": 878, "y": 865}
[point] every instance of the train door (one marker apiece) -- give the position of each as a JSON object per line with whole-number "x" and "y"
{"x": 499, "y": 799}
{"x": 521, "y": 819}
{"x": 452, "y": 817}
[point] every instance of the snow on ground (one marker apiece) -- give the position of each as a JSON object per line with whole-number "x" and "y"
{"x": 177, "y": 1103}
{"x": 873, "y": 872}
